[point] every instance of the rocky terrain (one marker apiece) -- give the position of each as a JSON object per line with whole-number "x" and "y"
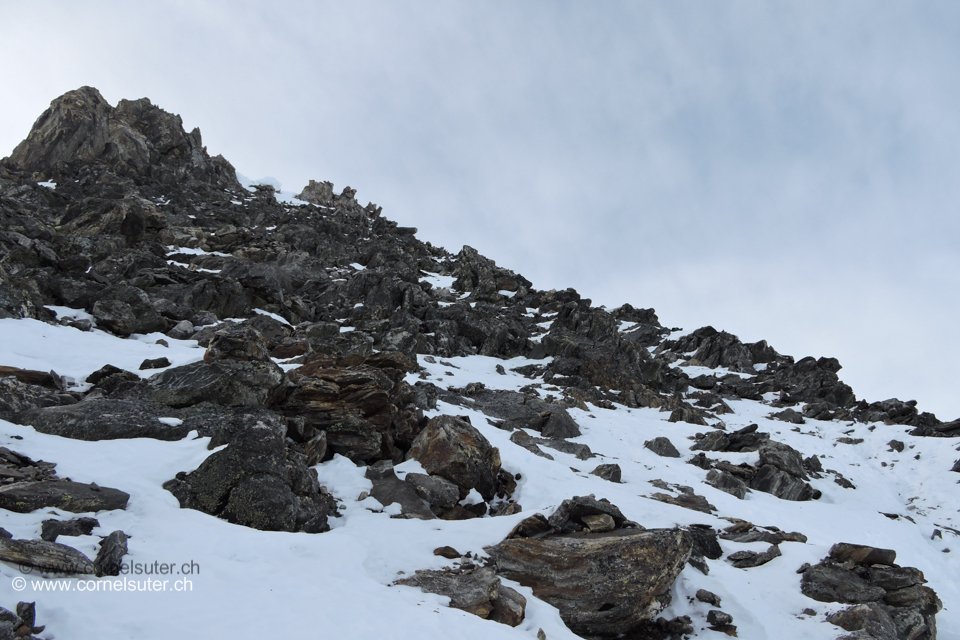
{"x": 327, "y": 416}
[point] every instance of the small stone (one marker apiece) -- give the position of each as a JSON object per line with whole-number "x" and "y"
{"x": 156, "y": 363}
{"x": 716, "y": 618}
{"x": 599, "y": 523}
{"x": 662, "y": 447}
{"x": 708, "y": 596}
{"x": 748, "y": 559}
{"x": 609, "y": 472}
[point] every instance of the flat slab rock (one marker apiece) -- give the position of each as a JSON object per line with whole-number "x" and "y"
{"x": 48, "y": 556}
{"x": 24, "y": 497}
{"x": 479, "y": 592}
{"x": 603, "y": 584}
{"x": 104, "y": 419}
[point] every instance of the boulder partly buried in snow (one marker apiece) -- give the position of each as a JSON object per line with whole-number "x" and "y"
{"x": 453, "y": 449}
{"x": 256, "y": 482}
{"x": 602, "y": 583}
{"x": 103, "y": 419}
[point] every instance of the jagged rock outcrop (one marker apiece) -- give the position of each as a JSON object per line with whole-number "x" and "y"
{"x": 889, "y": 601}
{"x": 257, "y": 482}
{"x": 135, "y": 139}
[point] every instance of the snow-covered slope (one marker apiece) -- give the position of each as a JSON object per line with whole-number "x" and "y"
{"x": 272, "y": 359}
{"x": 246, "y": 583}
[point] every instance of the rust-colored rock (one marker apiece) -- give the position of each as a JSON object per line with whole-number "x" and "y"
{"x": 452, "y": 448}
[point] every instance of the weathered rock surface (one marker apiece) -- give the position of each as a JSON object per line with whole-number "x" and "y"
{"x": 609, "y": 472}
{"x": 455, "y": 450}
{"x": 662, "y": 447}
{"x": 603, "y": 584}
{"x": 389, "y": 489}
{"x": 748, "y": 559}
{"x": 103, "y": 419}
{"x": 228, "y": 382}
{"x": 110, "y": 557}
{"x": 47, "y": 556}
{"x": 476, "y": 591}
{"x": 52, "y": 529}
{"x": 257, "y": 482}
{"x": 135, "y": 139}
{"x": 890, "y": 601}
{"x": 24, "y": 497}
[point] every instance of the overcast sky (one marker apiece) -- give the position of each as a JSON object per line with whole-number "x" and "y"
{"x": 785, "y": 171}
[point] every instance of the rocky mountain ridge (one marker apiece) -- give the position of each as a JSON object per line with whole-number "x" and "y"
{"x": 323, "y": 323}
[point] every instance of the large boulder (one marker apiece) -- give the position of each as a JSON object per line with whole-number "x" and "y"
{"x": 125, "y": 310}
{"x": 453, "y": 449}
{"x": 228, "y": 382}
{"x": 136, "y": 139}
{"x": 257, "y": 483}
{"x": 355, "y": 405}
{"x": 238, "y": 342}
{"x": 603, "y": 584}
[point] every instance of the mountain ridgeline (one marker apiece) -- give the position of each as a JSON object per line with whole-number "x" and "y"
{"x": 120, "y": 213}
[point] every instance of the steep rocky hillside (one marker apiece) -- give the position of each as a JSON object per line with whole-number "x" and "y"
{"x": 323, "y": 417}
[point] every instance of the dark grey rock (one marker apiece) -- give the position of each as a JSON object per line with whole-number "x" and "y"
{"x": 389, "y": 489}
{"x": 568, "y": 516}
{"x": 227, "y": 382}
{"x": 609, "y": 472}
{"x": 256, "y": 482}
{"x": 728, "y": 483}
{"x": 238, "y": 342}
{"x": 662, "y": 447}
{"x": 478, "y": 592}
{"x": 24, "y": 497}
{"x": 789, "y": 415}
{"x": 51, "y": 529}
{"x": 783, "y": 457}
{"x": 104, "y": 419}
{"x": 862, "y": 554}
{"x": 155, "y": 363}
{"x": 748, "y": 559}
{"x": 783, "y": 485}
{"x": 109, "y": 557}
{"x": 708, "y": 596}
{"x": 47, "y": 556}
{"x": 834, "y": 583}
{"x": 716, "y": 618}
{"x": 559, "y": 424}
{"x": 529, "y": 443}
{"x": 437, "y": 491}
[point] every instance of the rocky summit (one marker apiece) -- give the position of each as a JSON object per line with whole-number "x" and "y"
{"x": 279, "y": 415}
